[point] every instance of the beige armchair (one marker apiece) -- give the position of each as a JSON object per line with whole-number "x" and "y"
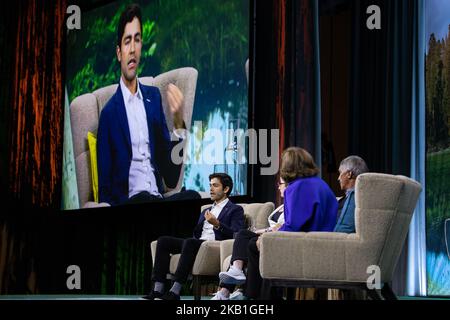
{"x": 85, "y": 112}
{"x": 384, "y": 208}
{"x": 256, "y": 215}
{"x": 207, "y": 264}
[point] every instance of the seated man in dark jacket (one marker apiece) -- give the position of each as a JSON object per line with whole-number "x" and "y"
{"x": 218, "y": 222}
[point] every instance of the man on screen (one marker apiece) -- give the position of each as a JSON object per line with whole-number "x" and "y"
{"x": 133, "y": 144}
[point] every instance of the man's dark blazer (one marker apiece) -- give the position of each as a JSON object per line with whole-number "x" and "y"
{"x": 114, "y": 146}
{"x": 231, "y": 220}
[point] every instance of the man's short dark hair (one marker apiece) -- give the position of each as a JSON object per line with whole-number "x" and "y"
{"x": 131, "y": 11}
{"x": 225, "y": 180}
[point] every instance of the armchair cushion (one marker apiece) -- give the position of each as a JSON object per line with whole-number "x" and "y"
{"x": 207, "y": 261}
{"x": 256, "y": 216}
{"x": 298, "y": 255}
{"x": 226, "y": 250}
{"x": 92, "y": 141}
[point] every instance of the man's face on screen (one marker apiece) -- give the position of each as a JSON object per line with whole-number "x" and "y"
{"x": 216, "y": 190}
{"x": 129, "y": 53}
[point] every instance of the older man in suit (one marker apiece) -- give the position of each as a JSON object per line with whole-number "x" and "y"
{"x": 349, "y": 169}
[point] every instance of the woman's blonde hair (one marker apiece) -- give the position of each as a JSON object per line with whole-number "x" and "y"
{"x": 295, "y": 163}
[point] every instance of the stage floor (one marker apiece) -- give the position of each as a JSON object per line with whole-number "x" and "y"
{"x": 138, "y": 298}
{"x": 84, "y": 297}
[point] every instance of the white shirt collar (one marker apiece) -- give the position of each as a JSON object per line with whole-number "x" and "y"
{"x": 127, "y": 95}
{"x": 221, "y": 204}
{"x": 348, "y": 191}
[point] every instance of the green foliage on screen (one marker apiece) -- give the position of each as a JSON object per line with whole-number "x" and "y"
{"x": 437, "y": 82}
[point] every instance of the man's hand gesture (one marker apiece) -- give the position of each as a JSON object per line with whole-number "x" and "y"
{"x": 175, "y": 100}
{"x": 211, "y": 219}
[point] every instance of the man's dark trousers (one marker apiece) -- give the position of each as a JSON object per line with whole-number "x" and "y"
{"x": 166, "y": 246}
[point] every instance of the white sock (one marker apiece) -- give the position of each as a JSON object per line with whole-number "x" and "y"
{"x": 238, "y": 264}
{"x": 176, "y": 288}
{"x": 159, "y": 287}
{"x": 225, "y": 292}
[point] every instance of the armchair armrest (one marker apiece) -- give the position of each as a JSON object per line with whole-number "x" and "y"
{"x": 92, "y": 204}
{"x": 207, "y": 261}
{"x": 299, "y": 255}
{"x": 226, "y": 250}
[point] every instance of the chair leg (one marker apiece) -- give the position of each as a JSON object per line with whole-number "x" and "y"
{"x": 266, "y": 290}
{"x": 290, "y": 293}
{"x": 196, "y": 287}
{"x": 387, "y": 292}
{"x": 353, "y": 294}
{"x": 373, "y": 294}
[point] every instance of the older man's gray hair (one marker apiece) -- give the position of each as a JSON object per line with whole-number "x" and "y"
{"x": 354, "y": 164}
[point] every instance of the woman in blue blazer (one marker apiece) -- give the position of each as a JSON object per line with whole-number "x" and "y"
{"x": 309, "y": 205}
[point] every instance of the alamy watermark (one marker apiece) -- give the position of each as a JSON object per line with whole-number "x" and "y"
{"x": 74, "y": 280}
{"x": 374, "y": 20}
{"x": 74, "y": 19}
{"x": 374, "y": 280}
{"x": 216, "y": 147}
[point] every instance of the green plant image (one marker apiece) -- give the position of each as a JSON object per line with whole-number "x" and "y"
{"x": 437, "y": 82}
{"x": 437, "y": 211}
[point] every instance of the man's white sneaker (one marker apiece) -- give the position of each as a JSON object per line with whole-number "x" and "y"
{"x": 220, "y": 296}
{"x": 237, "y": 295}
{"x": 232, "y": 276}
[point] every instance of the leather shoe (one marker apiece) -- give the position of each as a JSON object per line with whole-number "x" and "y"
{"x": 153, "y": 295}
{"x": 169, "y": 296}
